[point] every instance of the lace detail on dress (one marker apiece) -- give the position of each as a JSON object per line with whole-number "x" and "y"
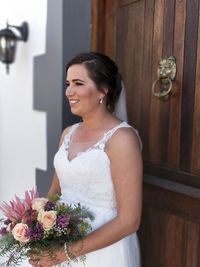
{"x": 102, "y": 142}
{"x": 99, "y": 144}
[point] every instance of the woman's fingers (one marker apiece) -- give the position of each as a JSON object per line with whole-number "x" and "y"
{"x": 43, "y": 261}
{"x": 35, "y": 262}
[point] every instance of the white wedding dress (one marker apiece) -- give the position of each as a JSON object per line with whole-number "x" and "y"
{"x": 86, "y": 179}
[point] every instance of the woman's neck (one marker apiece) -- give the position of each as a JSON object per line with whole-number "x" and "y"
{"x": 96, "y": 121}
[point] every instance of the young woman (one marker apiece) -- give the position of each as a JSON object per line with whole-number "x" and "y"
{"x": 99, "y": 165}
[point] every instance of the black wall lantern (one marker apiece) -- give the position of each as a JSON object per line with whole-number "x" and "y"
{"x": 8, "y": 42}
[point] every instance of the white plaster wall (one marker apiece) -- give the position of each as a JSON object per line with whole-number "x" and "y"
{"x": 22, "y": 129}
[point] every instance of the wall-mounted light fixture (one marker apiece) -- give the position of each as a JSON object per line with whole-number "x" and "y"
{"x": 8, "y": 42}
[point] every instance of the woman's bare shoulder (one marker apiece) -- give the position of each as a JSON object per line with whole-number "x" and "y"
{"x": 64, "y": 133}
{"x": 125, "y": 138}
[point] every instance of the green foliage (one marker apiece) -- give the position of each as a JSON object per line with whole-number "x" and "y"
{"x": 54, "y": 198}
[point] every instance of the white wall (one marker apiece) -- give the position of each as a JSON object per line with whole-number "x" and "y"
{"x": 22, "y": 130}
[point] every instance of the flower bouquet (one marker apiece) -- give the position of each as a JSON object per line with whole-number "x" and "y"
{"x": 39, "y": 224}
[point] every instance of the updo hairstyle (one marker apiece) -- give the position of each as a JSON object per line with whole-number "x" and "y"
{"x": 103, "y": 71}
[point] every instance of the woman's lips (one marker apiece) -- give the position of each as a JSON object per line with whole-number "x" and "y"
{"x": 73, "y": 101}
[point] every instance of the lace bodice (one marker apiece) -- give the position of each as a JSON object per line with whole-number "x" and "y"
{"x": 87, "y": 177}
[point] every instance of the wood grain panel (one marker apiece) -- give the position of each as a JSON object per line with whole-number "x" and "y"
{"x": 174, "y": 240}
{"x": 178, "y": 204}
{"x": 162, "y": 238}
{"x": 193, "y": 244}
{"x": 146, "y": 81}
{"x": 167, "y": 50}
{"x": 110, "y": 29}
{"x": 155, "y": 104}
{"x": 195, "y": 168}
{"x": 189, "y": 77}
{"x": 122, "y": 49}
{"x": 129, "y": 56}
{"x": 169, "y": 237}
{"x": 152, "y": 237}
{"x": 98, "y": 26}
{"x": 126, "y": 2}
{"x": 176, "y": 96}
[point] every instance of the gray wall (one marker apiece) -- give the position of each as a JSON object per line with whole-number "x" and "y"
{"x": 76, "y": 39}
{"x": 68, "y": 33}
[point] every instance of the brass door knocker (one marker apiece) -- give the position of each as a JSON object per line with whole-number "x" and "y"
{"x": 166, "y": 74}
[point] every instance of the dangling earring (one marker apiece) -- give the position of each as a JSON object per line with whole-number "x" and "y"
{"x": 101, "y": 100}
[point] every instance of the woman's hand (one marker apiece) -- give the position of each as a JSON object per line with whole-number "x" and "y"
{"x": 42, "y": 262}
{"x": 34, "y": 261}
{"x": 46, "y": 260}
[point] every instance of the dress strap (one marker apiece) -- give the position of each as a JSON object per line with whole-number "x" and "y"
{"x": 101, "y": 144}
{"x": 110, "y": 133}
{"x": 73, "y": 128}
{"x": 68, "y": 135}
{"x": 107, "y": 135}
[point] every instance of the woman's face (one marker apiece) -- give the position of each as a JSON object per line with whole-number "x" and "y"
{"x": 81, "y": 92}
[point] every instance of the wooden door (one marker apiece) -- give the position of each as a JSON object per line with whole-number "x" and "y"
{"x": 137, "y": 33}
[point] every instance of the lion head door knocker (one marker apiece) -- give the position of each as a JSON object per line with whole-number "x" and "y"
{"x": 166, "y": 74}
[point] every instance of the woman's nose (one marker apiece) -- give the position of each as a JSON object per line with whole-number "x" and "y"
{"x": 69, "y": 91}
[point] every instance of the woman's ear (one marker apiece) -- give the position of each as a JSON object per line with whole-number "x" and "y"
{"x": 105, "y": 91}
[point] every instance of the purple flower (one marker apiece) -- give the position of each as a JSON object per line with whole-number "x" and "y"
{"x": 49, "y": 206}
{"x": 62, "y": 221}
{"x": 3, "y": 231}
{"x": 7, "y": 221}
{"x": 36, "y": 233}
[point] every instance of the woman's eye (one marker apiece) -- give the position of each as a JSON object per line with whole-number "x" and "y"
{"x": 67, "y": 84}
{"x": 78, "y": 83}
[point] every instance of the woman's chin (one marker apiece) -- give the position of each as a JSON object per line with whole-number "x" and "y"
{"x": 75, "y": 112}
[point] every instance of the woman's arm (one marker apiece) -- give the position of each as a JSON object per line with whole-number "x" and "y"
{"x": 55, "y": 186}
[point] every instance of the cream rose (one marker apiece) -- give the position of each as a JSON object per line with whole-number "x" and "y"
{"x": 9, "y": 227}
{"x": 48, "y": 219}
{"x": 39, "y": 203}
{"x": 19, "y": 232}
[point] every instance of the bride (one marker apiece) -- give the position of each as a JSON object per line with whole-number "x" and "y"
{"x": 99, "y": 165}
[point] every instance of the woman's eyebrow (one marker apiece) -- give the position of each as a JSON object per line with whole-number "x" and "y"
{"x": 76, "y": 80}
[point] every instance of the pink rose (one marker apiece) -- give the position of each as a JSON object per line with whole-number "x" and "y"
{"x": 48, "y": 219}
{"x": 39, "y": 203}
{"x": 19, "y": 232}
